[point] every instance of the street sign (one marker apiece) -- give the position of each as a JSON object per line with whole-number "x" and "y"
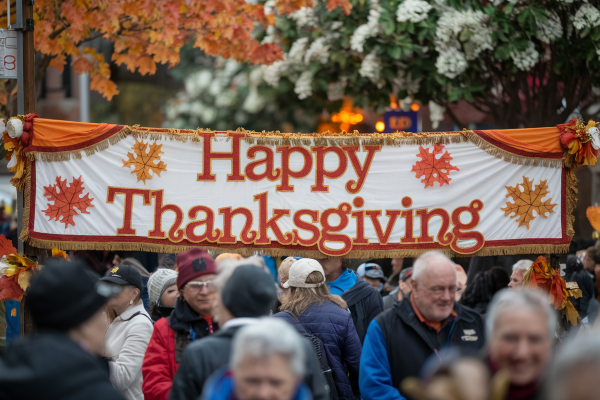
{"x": 407, "y": 121}
{"x": 8, "y": 54}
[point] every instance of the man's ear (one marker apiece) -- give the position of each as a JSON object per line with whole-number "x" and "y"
{"x": 413, "y": 284}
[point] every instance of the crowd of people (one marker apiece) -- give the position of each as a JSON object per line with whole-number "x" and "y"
{"x": 223, "y": 329}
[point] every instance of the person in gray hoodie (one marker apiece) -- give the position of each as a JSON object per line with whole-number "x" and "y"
{"x": 364, "y": 302}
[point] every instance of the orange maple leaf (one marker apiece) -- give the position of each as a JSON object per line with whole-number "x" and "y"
{"x": 67, "y": 198}
{"x": 6, "y": 247}
{"x": 266, "y": 54}
{"x": 145, "y": 160}
{"x": 10, "y": 289}
{"x": 345, "y": 4}
{"x": 527, "y": 201}
{"x": 289, "y": 6}
{"x": 433, "y": 168}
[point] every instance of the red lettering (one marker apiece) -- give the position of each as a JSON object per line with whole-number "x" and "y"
{"x": 287, "y": 172}
{"x": 208, "y": 155}
{"x": 384, "y": 237}
{"x": 265, "y": 223}
{"x": 321, "y": 173}
{"x": 443, "y": 237}
{"x": 126, "y": 229}
{"x": 473, "y": 208}
{"x": 270, "y": 173}
{"x": 328, "y": 233}
{"x": 360, "y": 227}
{"x": 361, "y": 171}
{"x": 209, "y": 234}
{"x": 408, "y": 230}
{"x": 298, "y": 222}
{"x": 247, "y": 236}
{"x": 175, "y": 234}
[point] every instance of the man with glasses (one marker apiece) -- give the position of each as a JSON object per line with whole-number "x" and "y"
{"x": 401, "y": 339}
{"x": 190, "y": 321}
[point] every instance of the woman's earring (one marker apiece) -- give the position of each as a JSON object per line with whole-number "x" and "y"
{"x": 130, "y": 302}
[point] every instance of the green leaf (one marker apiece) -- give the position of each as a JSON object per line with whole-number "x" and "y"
{"x": 454, "y": 95}
{"x": 388, "y": 26}
{"x": 508, "y": 9}
{"x": 410, "y": 28}
{"x": 502, "y": 52}
{"x": 467, "y": 94}
{"x": 394, "y": 52}
{"x": 465, "y": 35}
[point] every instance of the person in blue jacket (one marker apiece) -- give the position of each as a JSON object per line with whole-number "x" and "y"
{"x": 400, "y": 340}
{"x": 267, "y": 362}
{"x": 364, "y": 302}
{"x": 310, "y": 308}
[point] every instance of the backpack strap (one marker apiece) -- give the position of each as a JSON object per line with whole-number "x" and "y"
{"x": 139, "y": 313}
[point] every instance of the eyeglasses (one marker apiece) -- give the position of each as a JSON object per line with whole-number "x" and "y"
{"x": 440, "y": 290}
{"x": 197, "y": 286}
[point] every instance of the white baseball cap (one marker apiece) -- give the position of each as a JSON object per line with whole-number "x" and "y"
{"x": 300, "y": 270}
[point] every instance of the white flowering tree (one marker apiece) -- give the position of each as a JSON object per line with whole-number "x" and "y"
{"x": 527, "y": 63}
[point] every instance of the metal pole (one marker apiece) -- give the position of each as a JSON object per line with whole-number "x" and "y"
{"x": 20, "y": 111}
{"x": 84, "y": 97}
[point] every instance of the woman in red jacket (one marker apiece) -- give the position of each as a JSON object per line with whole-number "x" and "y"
{"x": 191, "y": 320}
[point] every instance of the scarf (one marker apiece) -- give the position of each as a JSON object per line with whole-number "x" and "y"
{"x": 517, "y": 392}
{"x": 183, "y": 318}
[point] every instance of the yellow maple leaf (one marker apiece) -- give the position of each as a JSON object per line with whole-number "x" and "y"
{"x": 146, "y": 159}
{"x": 527, "y": 201}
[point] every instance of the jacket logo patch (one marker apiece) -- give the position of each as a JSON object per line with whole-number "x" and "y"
{"x": 469, "y": 338}
{"x": 469, "y": 332}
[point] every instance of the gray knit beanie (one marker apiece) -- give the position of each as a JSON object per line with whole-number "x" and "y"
{"x": 161, "y": 279}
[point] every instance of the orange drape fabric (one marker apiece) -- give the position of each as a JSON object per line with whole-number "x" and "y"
{"x": 533, "y": 140}
{"x": 54, "y": 133}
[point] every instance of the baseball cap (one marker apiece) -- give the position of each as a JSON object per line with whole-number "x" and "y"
{"x": 371, "y": 270}
{"x": 124, "y": 275}
{"x": 406, "y": 273}
{"x": 300, "y": 270}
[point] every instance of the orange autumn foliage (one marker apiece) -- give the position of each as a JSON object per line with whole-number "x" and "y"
{"x": 145, "y": 159}
{"x": 147, "y": 32}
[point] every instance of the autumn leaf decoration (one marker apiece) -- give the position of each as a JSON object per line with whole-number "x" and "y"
{"x": 527, "y": 201}
{"x": 435, "y": 166}
{"x": 15, "y": 271}
{"x": 68, "y": 200}
{"x": 145, "y": 159}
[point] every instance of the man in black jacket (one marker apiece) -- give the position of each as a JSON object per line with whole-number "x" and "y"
{"x": 61, "y": 360}
{"x": 243, "y": 295}
{"x": 363, "y": 301}
{"x": 401, "y": 339}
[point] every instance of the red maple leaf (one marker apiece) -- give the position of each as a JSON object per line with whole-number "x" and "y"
{"x": 433, "y": 168}
{"x": 10, "y": 289}
{"x": 6, "y": 247}
{"x": 66, "y": 199}
{"x": 345, "y": 4}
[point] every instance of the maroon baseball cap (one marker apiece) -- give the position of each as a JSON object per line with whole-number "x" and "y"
{"x": 192, "y": 264}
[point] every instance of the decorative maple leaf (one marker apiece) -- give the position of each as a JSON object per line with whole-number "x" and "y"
{"x": 10, "y": 289}
{"x": 6, "y": 247}
{"x": 527, "y": 201}
{"x": 433, "y": 168}
{"x": 345, "y": 4}
{"x": 66, "y": 199}
{"x": 145, "y": 159}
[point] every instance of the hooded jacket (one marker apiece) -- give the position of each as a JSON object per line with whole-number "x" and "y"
{"x": 201, "y": 359}
{"x": 333, "y": 326}
{"x": 365, "y": 303}
{"x": 51, "y": 366}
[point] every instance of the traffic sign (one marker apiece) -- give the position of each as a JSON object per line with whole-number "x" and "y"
{"x": 407, "y": 121}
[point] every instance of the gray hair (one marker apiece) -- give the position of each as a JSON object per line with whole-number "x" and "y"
{"x": 135, "y": 264}
{"x": 266, "y": 338}
{"x": 226, "y": 267}
{"x": 576, "y": 353}
{"x": 522, "y": 265}
{"x": 508, "y": 300}
{"x": 427, "y": 259}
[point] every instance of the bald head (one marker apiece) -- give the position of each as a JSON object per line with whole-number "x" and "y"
{"x": 434, "y": 286}
{"x": 432, "y": 263}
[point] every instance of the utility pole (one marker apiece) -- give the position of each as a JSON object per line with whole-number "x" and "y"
{"x": 25, "y": 105}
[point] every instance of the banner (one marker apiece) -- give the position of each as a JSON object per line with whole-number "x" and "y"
{"x": 99, "y": 186}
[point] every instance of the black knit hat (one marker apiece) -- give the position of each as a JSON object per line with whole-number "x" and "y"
{"x": 249, "y": 292}
{"x": 64, "y": 295}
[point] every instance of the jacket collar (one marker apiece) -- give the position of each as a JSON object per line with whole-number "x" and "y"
{"x": 132, "y": 310}
{"x": 239, "y": 322}
{"x": 356, "y": 293}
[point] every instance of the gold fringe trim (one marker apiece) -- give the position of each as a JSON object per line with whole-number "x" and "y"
{"x": 571, "y": 201}
{"x": 510, "y": 157}
{"x": 249, "y": 251}
{"x": 24, "y": 234}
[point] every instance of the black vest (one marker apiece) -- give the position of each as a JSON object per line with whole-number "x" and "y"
{"x": 410, "y": 342}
